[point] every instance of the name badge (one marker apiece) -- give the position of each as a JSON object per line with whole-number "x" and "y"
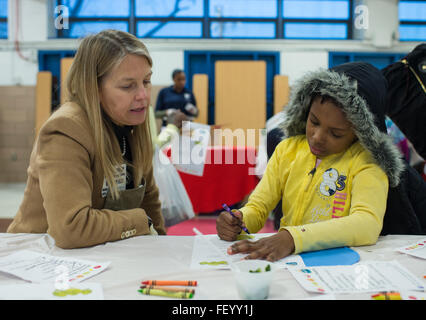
{"x": 120, "y": 180}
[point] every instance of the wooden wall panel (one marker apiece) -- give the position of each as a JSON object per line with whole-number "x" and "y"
{"x": 43, "y": 99}
{"x": 281, "y": 93}
{"x": 200, "y": 88}
{"x": 65, "y": 66}
{"x": 240, "y": 96}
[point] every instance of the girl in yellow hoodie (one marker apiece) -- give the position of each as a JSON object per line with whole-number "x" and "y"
{"x": 332, "y": 171}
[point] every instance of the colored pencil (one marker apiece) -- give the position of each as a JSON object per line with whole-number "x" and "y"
{"x": 169, "y": 294}
{"x": 170, "y": 282}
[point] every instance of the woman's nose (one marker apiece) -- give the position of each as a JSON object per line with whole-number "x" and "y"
{"x": 142, "y": 93}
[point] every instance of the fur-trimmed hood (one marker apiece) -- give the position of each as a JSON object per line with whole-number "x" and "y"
{"x": 360, "y": 89}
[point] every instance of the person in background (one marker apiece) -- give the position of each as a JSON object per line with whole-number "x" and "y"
{"x": 166, "y": 134}
{"x": 406, "y": 107}
{"x": 406, "y": 98}
{"x": 176, "y": 98}
{"x": 90, "y": 178}
{"x": 333, "y": 171}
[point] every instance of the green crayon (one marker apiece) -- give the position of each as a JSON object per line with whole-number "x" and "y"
{"x": 170, "y": 294}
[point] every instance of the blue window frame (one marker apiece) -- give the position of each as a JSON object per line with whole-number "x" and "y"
{"x": 3, "y": 19}
{"x": 248, "y": 19}
{"x": 412, "y": 20}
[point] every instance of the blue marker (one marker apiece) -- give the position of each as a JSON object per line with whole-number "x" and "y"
{"x": 232, "y": 214}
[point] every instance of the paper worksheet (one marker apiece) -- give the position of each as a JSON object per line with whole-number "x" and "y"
{"x": 209, "y": 252}
{"x": 48, "y": 291}
{"x": 371, "y": 276}
{"x": 413, "y": 295}
{"x": 417, "y": 249}
{"x": 38, "y": 267}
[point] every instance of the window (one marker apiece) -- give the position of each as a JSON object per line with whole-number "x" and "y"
{"x": 3, "y": 19}
{"x": 169, "y": 19}
{"x": 313, "y": 19}
{"x": 92, "y": 16}
{"x": 412, "y": 20}
{"x": 250, "y": 19}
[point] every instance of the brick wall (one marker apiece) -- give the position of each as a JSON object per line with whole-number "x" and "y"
{"x": 17, "y": 122}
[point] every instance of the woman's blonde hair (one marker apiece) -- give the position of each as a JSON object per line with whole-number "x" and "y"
{"x": 96, "y": 56}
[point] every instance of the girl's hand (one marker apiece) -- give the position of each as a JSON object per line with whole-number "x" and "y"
{"x": 229, "y": 227}
{"x": 272, "y": 248}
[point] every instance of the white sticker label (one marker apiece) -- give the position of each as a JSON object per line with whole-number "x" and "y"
{"x": 120, "y": 180}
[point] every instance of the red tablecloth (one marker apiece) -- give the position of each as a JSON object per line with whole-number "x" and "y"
{"x": 228, "y": 177}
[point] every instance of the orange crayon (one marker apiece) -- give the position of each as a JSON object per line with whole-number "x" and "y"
{"x": 170, "y": 283}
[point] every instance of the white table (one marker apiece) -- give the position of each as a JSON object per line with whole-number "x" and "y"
{"x": 168, "y": 257}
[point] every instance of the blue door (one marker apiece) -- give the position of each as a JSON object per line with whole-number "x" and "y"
{"x": 50, "y": 60}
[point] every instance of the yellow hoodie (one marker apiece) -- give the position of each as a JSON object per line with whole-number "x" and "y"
{"x": 339, "y": 203}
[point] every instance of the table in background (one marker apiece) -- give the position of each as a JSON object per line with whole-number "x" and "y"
{"x": 168, "y": 258}
{"x": 226, "y": 181}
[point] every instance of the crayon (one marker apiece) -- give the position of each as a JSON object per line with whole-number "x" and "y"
{"x": 169, "y": 294}
{"x": 174, "y": 289}
{"x": 170, "y": 283}
{"x": 232, "y": 214}
{"x": 387, "y": 296}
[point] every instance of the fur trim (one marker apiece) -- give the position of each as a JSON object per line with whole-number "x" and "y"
{"x": 344, "y": 90}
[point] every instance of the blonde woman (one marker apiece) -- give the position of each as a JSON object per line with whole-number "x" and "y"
{"x": 90, "y": 178}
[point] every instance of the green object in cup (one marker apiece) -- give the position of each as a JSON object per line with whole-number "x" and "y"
{"x": 252, "y": 283}
{"x": 267, "y": 268}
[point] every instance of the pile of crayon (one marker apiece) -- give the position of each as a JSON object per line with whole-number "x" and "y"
{"x": 169, "y": 288}
{"x": 391, "y": 295}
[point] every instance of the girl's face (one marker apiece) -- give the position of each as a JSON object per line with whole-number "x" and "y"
{"x": 125, "y": 92}
{"x": 327, "y": 129}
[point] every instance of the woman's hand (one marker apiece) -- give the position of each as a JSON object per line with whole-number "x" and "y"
{"x": 229, "y": 227}
{"x": 272, "y": 248}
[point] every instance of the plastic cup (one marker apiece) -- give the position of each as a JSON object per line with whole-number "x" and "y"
{"x": 253, "y": 285}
